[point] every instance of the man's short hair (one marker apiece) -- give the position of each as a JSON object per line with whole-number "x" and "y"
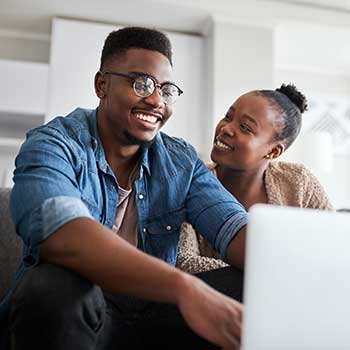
{"x": 119, "y": 41}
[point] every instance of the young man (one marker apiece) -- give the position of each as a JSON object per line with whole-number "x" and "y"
{"x": 91, "y": 188}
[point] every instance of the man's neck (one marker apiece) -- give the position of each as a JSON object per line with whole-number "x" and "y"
{"x": 120, "y": 156}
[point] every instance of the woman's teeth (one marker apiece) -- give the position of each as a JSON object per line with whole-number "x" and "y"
{"x": 147, "y": 118}
{"x": 222, "y": 145}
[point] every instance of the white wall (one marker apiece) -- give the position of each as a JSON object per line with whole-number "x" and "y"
{"x": 22, "y": 106}
{"x": 7, "y": 166}
{"x": 25, "y": 90}
{"x": 315, "y": 83}
{"x": 241, "y": 59}
{"x": 312, "y": 57}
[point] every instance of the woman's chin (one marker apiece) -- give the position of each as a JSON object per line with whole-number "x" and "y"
{"x": 216, "y": 159}
{"x": 212, "y": 155}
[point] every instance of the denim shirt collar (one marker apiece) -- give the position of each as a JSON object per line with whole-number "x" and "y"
{"x": 97, "y": 147}
{"x": 145, "y": 162}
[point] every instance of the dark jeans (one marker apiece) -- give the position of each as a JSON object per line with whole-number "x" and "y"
{"x": 55, "y": 309}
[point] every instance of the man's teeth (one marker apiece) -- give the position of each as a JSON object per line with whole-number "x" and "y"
{"x": 148, "y": 118}
{"x": 222, "y": 145}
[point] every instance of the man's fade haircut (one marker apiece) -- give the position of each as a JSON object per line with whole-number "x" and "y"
{"x": 119, "y": 41}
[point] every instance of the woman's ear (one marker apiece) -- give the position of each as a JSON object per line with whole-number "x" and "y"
{"x": 276, "y": 151}
{"x": 100, "y": 85}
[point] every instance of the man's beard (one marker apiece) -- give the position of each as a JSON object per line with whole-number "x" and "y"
{"x": 135, "y": 141}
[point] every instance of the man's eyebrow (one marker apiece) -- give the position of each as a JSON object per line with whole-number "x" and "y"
{"x": 139, "y": 73}
{"x": 143, "y": 74}
{"x": 246, "y": 116}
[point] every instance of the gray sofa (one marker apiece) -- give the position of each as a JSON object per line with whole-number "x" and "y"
{"x": 10, "y": 243}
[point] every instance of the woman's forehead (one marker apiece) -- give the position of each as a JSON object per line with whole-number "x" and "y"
{"x": 257, "y": 106}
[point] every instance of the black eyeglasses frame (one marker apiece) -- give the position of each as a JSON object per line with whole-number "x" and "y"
{"x": 133, "y": 77}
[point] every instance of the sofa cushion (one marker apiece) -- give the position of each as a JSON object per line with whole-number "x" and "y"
{"x": 10, "y": 244}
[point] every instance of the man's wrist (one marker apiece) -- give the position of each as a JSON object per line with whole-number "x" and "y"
{"x": 182, "y": 282}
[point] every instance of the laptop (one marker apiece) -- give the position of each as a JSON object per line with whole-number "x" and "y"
{"x": 297, "y": 280}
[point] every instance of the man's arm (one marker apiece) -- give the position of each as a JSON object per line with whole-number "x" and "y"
{"x": 236, "y": 249}
{"x": 98, "y": 254}
{"x": 217, "y": 215}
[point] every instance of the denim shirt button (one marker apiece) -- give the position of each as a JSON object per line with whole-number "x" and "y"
{"x": 94, "y": 143}
{"x": 168, "y": 228}
{"x": 140, "y": 196}
{"x": 144, "y": 230}
{"x": 29, "y": 261}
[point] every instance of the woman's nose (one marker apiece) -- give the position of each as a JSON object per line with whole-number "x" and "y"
{"x": 228, "y": 129}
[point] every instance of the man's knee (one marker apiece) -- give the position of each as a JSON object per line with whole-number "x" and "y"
{"x": 227, "y": 280}
{"x": 54, "y": 295}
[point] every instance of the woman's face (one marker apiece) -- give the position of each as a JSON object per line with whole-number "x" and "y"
{"x": 243, "y": 138}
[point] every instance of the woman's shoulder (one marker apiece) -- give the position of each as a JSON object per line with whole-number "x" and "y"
{"x": 289, "y": 170}
{"x": 285, "y": 183}
{"x": 294, "y": 184}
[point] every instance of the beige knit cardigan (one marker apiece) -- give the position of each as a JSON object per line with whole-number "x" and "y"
{"x": 288, "y": 184}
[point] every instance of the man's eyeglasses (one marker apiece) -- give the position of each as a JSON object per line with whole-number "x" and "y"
{"x": 144, "y": 86}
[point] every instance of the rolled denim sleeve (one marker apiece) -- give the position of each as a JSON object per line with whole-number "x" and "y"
{"x": 46, "y": 194}
{"x": 54, "y": 213}
{"x": 214, "y": 211}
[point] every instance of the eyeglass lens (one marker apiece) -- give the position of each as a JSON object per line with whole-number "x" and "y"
{"x": 144, "y": 87}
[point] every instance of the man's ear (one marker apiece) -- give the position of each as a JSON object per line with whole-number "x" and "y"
{"x": 100, "y": 85}
{"x": 276, "y": 151}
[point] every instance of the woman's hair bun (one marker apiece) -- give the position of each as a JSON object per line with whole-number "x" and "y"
{"x": 294, "y": 95}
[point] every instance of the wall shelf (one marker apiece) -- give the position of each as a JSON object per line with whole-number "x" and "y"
{"x": 8, "y": 142}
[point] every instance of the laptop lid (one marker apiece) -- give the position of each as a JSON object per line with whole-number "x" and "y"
{"x": 297, "y": 280}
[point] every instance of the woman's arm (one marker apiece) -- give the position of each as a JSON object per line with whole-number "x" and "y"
{"x": 316, "y": 196}
{"x": 190, "y": 257}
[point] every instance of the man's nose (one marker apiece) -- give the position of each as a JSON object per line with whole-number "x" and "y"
{"x": 155, "y": 99}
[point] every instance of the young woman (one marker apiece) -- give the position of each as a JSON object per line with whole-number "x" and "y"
{"x": 255, "y": 131}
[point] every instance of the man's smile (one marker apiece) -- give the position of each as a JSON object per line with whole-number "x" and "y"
{"x": 149, "y": 120}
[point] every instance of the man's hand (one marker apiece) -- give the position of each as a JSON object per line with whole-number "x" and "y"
{"x": 210, "y": 314}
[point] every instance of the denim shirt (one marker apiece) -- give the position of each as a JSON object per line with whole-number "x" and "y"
{"x": 62, "y": 174}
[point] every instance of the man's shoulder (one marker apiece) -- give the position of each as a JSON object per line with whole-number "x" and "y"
{"x": 74, "y": 129}
{"x": 71, "y": 134}
{"x": 175, "y": 144}
{"x": 173, "y": 153}
{"x": 72, "y": 124}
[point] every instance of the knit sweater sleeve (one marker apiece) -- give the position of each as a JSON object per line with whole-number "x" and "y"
{"x": 190, "y": 258}
{"x": 315, "y": 195}
{"x": 293, "y": 184}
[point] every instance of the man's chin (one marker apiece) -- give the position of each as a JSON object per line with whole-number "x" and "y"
{"x": 133, "y": 140}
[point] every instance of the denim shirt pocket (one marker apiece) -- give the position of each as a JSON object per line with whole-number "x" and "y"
{"x": 162, "y": 233}
{"x": 94, "y": 209}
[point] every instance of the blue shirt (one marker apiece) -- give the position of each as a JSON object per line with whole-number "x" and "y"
{"x": 62, "y": 174}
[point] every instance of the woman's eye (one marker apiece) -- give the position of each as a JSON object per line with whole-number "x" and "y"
{"x": 245, "y": 128}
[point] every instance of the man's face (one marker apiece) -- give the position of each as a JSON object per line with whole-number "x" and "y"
{"x": 125, "y": 117}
